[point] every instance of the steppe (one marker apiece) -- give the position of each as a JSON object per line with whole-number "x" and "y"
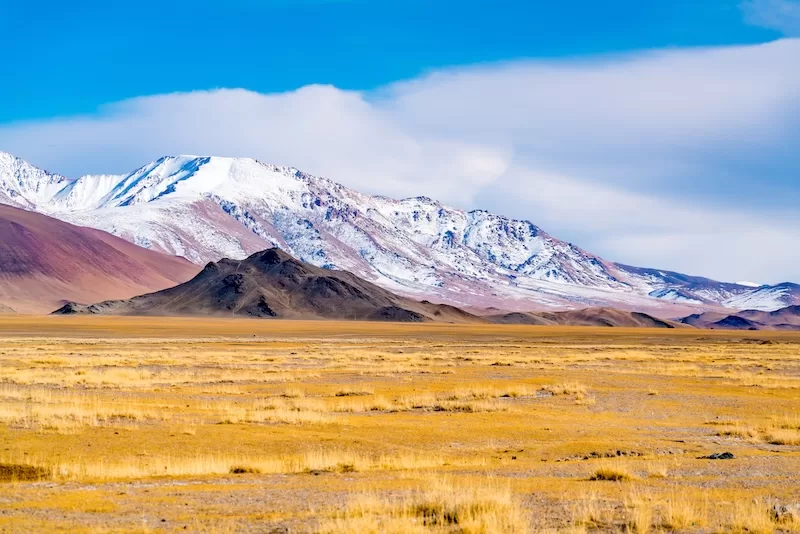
{"x": 112, "y": 424}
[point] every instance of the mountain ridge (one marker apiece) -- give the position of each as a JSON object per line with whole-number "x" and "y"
{"x": 415, "y": 246}
{"x": 273, "y": 284}
{"x": 787, "y": 318}
{"x": 609, "y": 317}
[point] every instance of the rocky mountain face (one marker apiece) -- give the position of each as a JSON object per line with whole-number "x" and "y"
{"x": 273, "y": 284}
{"x": 208, "y": 208}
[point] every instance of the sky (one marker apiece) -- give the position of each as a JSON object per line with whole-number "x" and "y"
{"x": 662, "y": 134}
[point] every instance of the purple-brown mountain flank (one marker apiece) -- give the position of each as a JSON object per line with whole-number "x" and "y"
{"x": 45, "y": 261}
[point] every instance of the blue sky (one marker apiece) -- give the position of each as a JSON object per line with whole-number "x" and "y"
{"x": 64, "y": 58}
{"x": 661, "y": 133}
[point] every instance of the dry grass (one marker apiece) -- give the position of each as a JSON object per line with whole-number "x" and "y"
{"x": 566, "y": 388}
{"x": 750, "y": 517}
{"x": 324, "y": 461}
{"x": 692, "y": 511}
{"x": 787, "y": 421}
{"x": 613, "y": 472}
{"x": 16, "y": 472}
{"x": 658, "y": 470}
{"x": 641, "y": 513}
{"x": 115, "y": 424}
{"x": 780, "y": 436}
{"x": 739, "y": 431}
{"x": 440, "y": 506}
{"x": 777, "y": 431}
{"x": 593, "y": 512}
{"x": 681, "y": 511}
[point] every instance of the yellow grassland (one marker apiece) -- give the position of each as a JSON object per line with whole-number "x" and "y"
{"x": 227, "y": 425}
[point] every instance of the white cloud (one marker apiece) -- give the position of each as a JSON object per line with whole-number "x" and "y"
{"x": 780, "y": 15}
{"x": 318, "y": 129}
{"x": 653, "y": 158}
{"x": 647, "y": 230}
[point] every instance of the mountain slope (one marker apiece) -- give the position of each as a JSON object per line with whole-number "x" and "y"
{"x": 44, "y": 261}
{"x": 783, "y": 319}
{"x": 274, "y": 284}
{"x": 585, "y": 317}
{"x": 766, "y": 298}
{"x": 207, "y": 208}
{"x": 785, "y": 316}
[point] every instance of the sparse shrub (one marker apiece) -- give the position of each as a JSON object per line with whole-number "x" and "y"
{"x": 566, "y": 388}
{"x": 346, "y": 468}
{"x": 582, "y": 399}
{"x": 244, "y": 470}
{"x": 353, "y": 393}
{"x": 613, "y": 473}
{"x": 10, "y": 472}
{"x": 657, "y": 471}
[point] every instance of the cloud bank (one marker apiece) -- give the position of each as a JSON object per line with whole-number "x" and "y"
{"x": 681, "y": 159}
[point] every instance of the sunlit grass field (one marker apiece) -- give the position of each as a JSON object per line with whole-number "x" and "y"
{"x": 134, "y": 424}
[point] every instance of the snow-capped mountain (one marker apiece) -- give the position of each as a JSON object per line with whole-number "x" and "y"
{"x": 766, "y": 298}
{"x": 207, "y": 208}
{"x": 25, "y": 186}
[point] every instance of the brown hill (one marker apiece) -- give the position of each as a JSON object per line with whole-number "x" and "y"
{"x": 789, "y": 316}
{"x": 585, "y": 317}
{"x": 702, "y": 320}
{"x": 44, "y": 262}
{"x": 274, "y": 284}
{"x": 784, "y": 319}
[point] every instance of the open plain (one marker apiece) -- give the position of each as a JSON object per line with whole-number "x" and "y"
{"x": 169, "y": 424}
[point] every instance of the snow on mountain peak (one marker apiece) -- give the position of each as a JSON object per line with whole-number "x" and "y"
{"x": 171, "y": 178}
{"x": 26, "y": 186}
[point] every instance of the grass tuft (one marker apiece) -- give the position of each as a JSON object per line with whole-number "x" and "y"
{"x": 445, "y": 506}
{"x": 12, "y": 472}
{"x": 244, "y": 470}
{"x": 612, "y": 473}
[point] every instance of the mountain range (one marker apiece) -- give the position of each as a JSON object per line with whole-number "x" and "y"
{"x": 273, "y": 284}
{"x": 208, "y": 208}
{"x": 784, "y": 319}
{"x": 586, "y": 317}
